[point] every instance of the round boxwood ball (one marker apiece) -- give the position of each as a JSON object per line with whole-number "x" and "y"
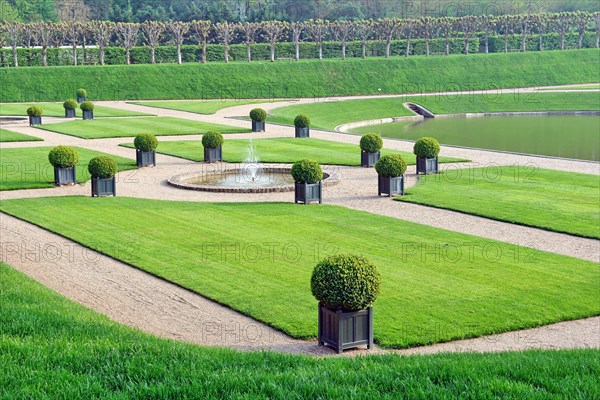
{"x": 87, "y": 106}
{"x": 371, "y": 143}
{"x": 426, "y": 147}
{"x": 391, "y": 166}
{"x": 302, "y": 121}
{"x": 70, "y": 104}
{"x": 63, "y": 156}
{"x": 35, "y": 111}
{"x": 308, "y": 171}
{"x": 145, "y": 142}
{"x": 102, "y": 167}
{"x": 81, "y": 93}
{"x": 345, "y": 281}
{"x": 212, "y": 140}
{"x": 258, "y": 114}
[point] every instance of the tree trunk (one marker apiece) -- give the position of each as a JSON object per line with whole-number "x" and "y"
{"x": 562, "y": 40}
{"x": 487, "y": 44}
{"x": 178, "y": 53}
{"x": 127, "y": 59}
{"x": 226, "y": 54}
{"x": 407, "y": 47}
{"x": 506, "y": 43}
{"x": 597, "y": 39}
{"x": 272, "y": 52}
{"x": 204, "y": 51}
{"x": 248, "y": 52}
{"x": 388, "y": 45}
{"x": 467, "y": 46}
{"x": 297, "y": 51}
{"x": 364, "y": 50}
{"x": 15, "y": 56}
{"x": 152, "y": 57}
{"x": 447, "y": 45}
{"x": 343, "y": 51}
{"x": 320, "y": 51}
{"x": 45, "y": 56}
{"x": 427, "y": 47}
{"x": 101, "y": 55}
{"x": 74, "y": 54}
{"x": 580, "y": 43}
{"x": 540, "y": 42}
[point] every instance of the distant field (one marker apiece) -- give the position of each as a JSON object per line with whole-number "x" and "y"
{"x": 124, "y": 127}
{"x": 199, "y": 106}
{"x": 10, "y": 136}
{"x": 57, "y": 110}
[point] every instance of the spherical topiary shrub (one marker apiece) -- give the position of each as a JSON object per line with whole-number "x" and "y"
{"x": 70, "y": 104}
{"x": 81, "y": 93}
{"x": 212, "y": 140}
{"x": 371, "y": 143}
{"x": 391, "y": 166}
{"x": 258, "y": 114}
{"x": 35, "y": 111}
{"x": 308, "y": 171}
{"x": 102, "y": 167}
{"x": 63, "y": 156}
{"x": 145, "y": 142}
{"x": 426, "y": 147}
{"x": 302, "y": 121}
{"x": 345, "y": 281}
{"x": 87, "y": 106}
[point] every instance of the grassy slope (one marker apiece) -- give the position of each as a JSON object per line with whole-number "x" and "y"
{"x": 57, "y": 110}
{"x": 51, "y": 347}
{"x": 303, "y": 79}
{"x": 257, "y": 258}
{"x": 559, "y": 201}
{"x": 198, "y": 106}
{"x": 125, "y": 127}
{"x": 280, "y": 150}
{"x": 10, "y": 136}
{"x": 331, "y": 114}
{"x": 28, "y": 168}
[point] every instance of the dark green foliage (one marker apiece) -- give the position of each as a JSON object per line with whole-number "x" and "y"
{"x": 87, "y": 106}
{"x": 70, "y": 104}
{"x": 426, "y": 147}
{"x": 302, "y": 121}
{"x": 392, "y": 165}
{"x": 102, "y": 167}
{"x": 345, "y": 281}
{"x": 63, "y": 156}
{"x": 308, "y": 171}
{"x": 371, "y": 143}
{"x": 35, "y": 111}
{"x": 81, "y": 93}
{"x": 145, "y": 142}
{"x": 258, "y": 114}
{"x": 212, "y": 140}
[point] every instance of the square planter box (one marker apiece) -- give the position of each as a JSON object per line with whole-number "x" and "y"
{"x": 369, "y": 159}
{"x": 308, "y": 192}
{"x": 69, "y": 113}
{"x": 213, "y": 155}
{"x": 80, "y": 99}
{"x": 258, "y": 126}
{"x": 302, "y": 132}
{"x": 345, "y": 330}
{"x": 391, "y": 186}
{"x": 104, "y": 187}
{"x": 35, "y": 121}
{"x": 427, "y": 165}
{"x": 145, "y": 158}
{"x": 88, "y": 115}
{"x": 65, "y": 176}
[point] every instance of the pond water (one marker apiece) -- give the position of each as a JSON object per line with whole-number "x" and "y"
{"x": 568, "y": 136}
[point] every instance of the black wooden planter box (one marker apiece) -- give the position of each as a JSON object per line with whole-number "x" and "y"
{"x": 302, "y": 132}
{"x": 65, "y": 176}
{"x": 369, "y": 159}
{"x": 88, "y": 115}
{"x": 345, "y": 330}
{"x": 391, "y": 186}
{"x": 145, "y": 158}
{"x": 213, "y": 155}
{"x": 80, "y": 99}
{"x": 258, "y": 126}
{"x": 104, "y": 187}
{"x": 427, "y": 165}
{"x": 69, "y": 113}
{"x": 35, "y": 120}
{"x": 309, "y": 192}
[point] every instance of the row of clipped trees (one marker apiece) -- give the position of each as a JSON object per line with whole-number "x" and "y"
{"x": 103, "y": 34}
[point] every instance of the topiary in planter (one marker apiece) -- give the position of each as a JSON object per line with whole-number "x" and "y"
{"x": 391, "y": 166}
{"x": 426, "y": 147}
{"x": 145, "y": 142}
{"x": 81, "y": 93}
{"x": 302, "y": 121}
{"x": 63, "y": 156}
{"x": 70, "y": 104}
{"x": 307, "y": 171}
{"x": 102, "y": 167}
{"x": 87, "y": 106}
{"x": 258, "y": 114}
{"x": 371, "y": 143}
{"x": 346, "y": 282}
{"x": 35, "y": 111}
{"x": 212, "y": 140}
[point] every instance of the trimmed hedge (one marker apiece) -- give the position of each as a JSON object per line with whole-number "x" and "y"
{"x": 102, "y": 167}
{"x": 145, "y": 142}
{"x": 426, "y": 147}
{"x": 81, "y": 93}
{"x": 371, "y": 143}
{"x": 70, "y": 104}
{"x": 302, "y": 121}
{"x": 308, "y": 171}
{"x": 391, "y": 166}
{"x": 212, "y": 140}
{"x": 35, "y": 111}
{"x": 87, "y": 106}
{"x": 258, "y": 114}
{"x": 63, "y": 156}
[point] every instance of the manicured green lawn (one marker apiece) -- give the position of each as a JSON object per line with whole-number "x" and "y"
{"x": 28, "y": 167}
{"x": 51, "y": 347}
{"x": 554, "y": 200}
{"x": 57, "y": 110}
{"x": 280, "y": 150}
{"x": 257, "y": 258}
{"x": 124, "y": 127}
{"x": 10, "y": 136}
{"x": 199, "y": 106}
